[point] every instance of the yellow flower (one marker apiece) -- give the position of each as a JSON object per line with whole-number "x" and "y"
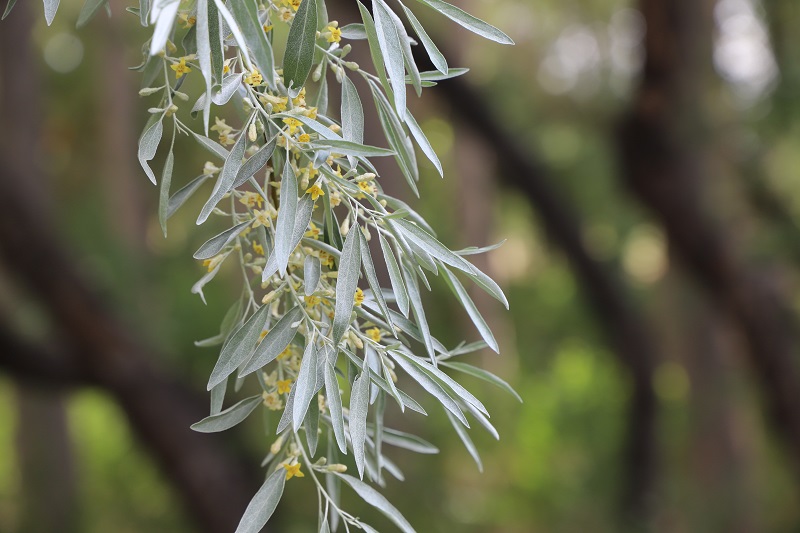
{"x": 293, "y": 471}
{"x": 293, "y": 124}
{"x": 326, "y": 259}
{"x": 311, "y": 113}
{"x": 272, "y": 401}
{"x": 251, "y": 199}
{"x": 335, "y": 34}
{"x": 262, "y": 219}
{"x": 278, "y": 102}
{"x": 312, "y": 301}
{"x": 300, "y": 99}
{"x": 212, "y": 263}
{"x": 253, "y": 78}
{"x": 257, "y": 248}
{"x": 284, "y": 386}
{"x": 336, "y": 198}
{"x": 181, "y": 68}
{"x": 304, "y": 138}
{"x": 315, "y": 191}
{"x": 368, "y": 187}
{"x": 285, "y": 14}
{"x": 186, "y": 20}
{"x": 358, "y": 299}
{"x": 294, "y": 4}
{"x": 267, "y": 29}
{"x": 374, "y": 334}
{"x": 313, "y": 232}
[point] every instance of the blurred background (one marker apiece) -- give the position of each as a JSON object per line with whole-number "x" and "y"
{"x": 640, "y": 158}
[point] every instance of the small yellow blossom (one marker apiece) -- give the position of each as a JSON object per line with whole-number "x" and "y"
{"x": 293, "y": 124}
{"x": 311, "y": 113}
{"x": 334, "y": 34}
{"x": 284, "y": 386}
{"x": 374, "y": 334}
{"x": 209, "y": 169}
{"x": 304, "y": 138}
{"x": 326, "y": 259}
{"x": 278, "y": 102}
{"x": 336, "y": 198}
{"x": 285, "y": 14}
{"x": 257, "y": 248}
{"x": 224, "y": 131}
{"x": 181, "y": 68}
{"x": 312, "y": 301}
{"x": 267, "y": 29}
{"x": 254, "y": 78}
{"x": 300, "y": 99}
{"x": 251, "y": 199}
{"x": 272, "y": 401}
{"x": 313, "y": 231}
{"x": 294, "y": 4}
{"x": 315, "y": 191}
{"x": 212, "y": 263}
{"x": 293, "y": 471}
{"x": 262, "y": 219}
{"x": 368, "y": 187}
{"x": 358, "y": 299}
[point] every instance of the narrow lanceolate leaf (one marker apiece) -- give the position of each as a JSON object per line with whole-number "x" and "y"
{"x": 90, "y": 7}
{"x": 302, "y": 217}
{"x": 312, "y": 269}
{"x": 351, "y": 148}
{"x": 263, "y": 504}
{"x": 163, "y": 196}
{"x": 392, "y": 51}
{"x": 226, "y": 176}
{"x": 352, "y": 113}
{"x": 473, "y": 24}
{"x": 372, "y": 279}
{"x": 359, "y": 406}
{"x": 148, "y": 145}
{"x": 472, "y": 310}
{"x": 464, "y": 436}
{"x": 246, "y": 14}
{"x": 162, "y": 15}
{"x": 204, "y": 56}
{"x": 423, "y": 143}
{"x": 430, "y": 385}
{"x": 305, "y": 387}
{"x": 179, "y": 198}
{"x": 377, "y": 500}
{"x": 397, "y": 138}
{"x": 218, "y": 396}
{"x": 277, "y": 339}
{"x": 437, "y": 58}
{"x": 50, "y": 8}
{"x": 286, "y": 217}
{"x": 438, "y": 250}
{"x": 216, "y": 244}
{"x": 255, "y": 163}
{"x": 311, "y": 426}
{"x": 419, "y": 311}
{"x": 240, "y": 347}
{"x": 299, "y": 54}
{"x": 395, "y": 277}
{"x": 482, "y": 374}
{"x": 346, "y": 284}
{"x": 238, "y": 36}
{"x": 9, "y": 7}
{"x": 408, "y": 56}
{"x": 229, "y": 417}
{"x": 334, "y": 400}
{"x": 374, "y": 46}
{"x": 408, "y": 441}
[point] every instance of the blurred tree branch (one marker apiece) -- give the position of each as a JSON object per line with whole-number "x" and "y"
{"x": 664, "y": 167}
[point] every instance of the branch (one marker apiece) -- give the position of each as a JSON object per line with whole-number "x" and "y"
{"x": 664, "y": 167}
